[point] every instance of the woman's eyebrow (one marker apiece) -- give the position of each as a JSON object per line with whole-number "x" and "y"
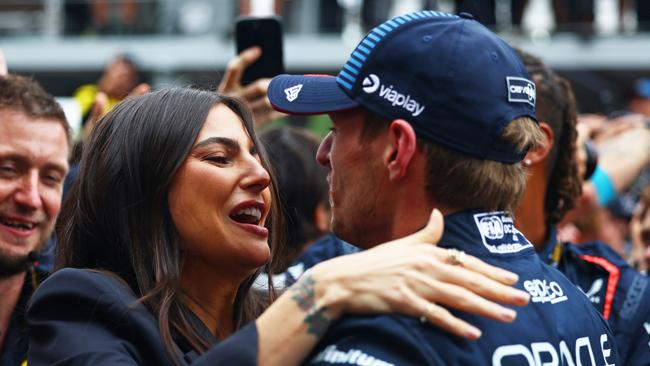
{"x": 230, "y": 144}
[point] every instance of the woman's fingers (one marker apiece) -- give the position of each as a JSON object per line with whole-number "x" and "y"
{"x": 486, "y": 280}
{"x": 463, "y": 299}
{"x": 490, "y": 271}
{"x": 475, "y": 265}
{"x": 441, "y": 317}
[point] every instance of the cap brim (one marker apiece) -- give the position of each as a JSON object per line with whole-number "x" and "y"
{"x": 308, "y": 94}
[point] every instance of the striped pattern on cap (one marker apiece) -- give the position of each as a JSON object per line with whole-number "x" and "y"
{"x": 350, "y": 71}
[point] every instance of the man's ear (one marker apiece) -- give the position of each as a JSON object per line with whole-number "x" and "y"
{"x": 539, "y": 154}
{"x": 401, "y": 147}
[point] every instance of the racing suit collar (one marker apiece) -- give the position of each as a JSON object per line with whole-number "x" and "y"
{"x": 551, "y": 250}
{"x": 482, "y": 233}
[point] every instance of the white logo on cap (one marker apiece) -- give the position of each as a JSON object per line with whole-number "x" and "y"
{"x": 292, "y": 92}
{"x": 521, "y": 90}
{"x": 371, "y": 83}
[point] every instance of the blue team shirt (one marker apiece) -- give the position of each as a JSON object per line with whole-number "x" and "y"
{"x": 614, "y": 288}
{"x": 558, "y": 327}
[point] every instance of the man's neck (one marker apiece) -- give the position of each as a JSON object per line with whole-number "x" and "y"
{"x": 412, "y": 215}
{"x": 10, "y": 288}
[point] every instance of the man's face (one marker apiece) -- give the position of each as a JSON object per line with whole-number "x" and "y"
{"x": 33, "y": 164}
{"x": 119, "y": 79}
{"x": 355, "y": 180}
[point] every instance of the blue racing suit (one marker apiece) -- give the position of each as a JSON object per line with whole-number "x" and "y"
{"x": 327, "y": 247}
{"x": 558, "y": 327}
{"x": 617, "y": 291}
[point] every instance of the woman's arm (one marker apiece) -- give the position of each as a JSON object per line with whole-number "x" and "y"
{"x": 404, "y": 276}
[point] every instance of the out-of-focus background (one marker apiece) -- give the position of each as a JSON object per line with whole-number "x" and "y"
{"x": 601, "y": 46}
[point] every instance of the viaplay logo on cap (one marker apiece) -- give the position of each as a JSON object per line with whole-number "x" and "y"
{"x": 521, "y": 90}
{"x": 370, "y": 85}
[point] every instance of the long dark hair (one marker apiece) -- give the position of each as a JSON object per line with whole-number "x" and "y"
{"x": 556, "y": 106}
{"x": 117, "y": 218}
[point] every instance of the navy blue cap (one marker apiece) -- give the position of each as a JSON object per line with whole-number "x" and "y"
{"x": 457, "y": 83}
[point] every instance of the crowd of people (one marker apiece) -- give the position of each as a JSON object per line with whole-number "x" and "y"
{"x": 459, "y": 212}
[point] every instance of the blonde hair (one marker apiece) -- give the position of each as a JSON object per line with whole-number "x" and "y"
{"x": 462, "y": 181}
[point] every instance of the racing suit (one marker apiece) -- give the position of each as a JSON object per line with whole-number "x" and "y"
{"x": 617, "y": 291}
{"x": 559, "y": 326}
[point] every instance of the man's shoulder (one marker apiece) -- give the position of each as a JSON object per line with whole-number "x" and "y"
{"x": 596, "y": 249}
{"x": 607, "y": 280}
{"x": 620, "y": 293}
{"x": 559, "y": 314}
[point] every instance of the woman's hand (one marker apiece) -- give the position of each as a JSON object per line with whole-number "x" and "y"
{"x": 411, "y": 276}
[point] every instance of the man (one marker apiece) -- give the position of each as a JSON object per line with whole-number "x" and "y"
{"x": 433, "y": 110}
{"x": 614, "y": 288}
{"x": 34, "y": 146}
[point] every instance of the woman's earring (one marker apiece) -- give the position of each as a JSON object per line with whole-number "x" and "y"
{"x": 527, "y": 163}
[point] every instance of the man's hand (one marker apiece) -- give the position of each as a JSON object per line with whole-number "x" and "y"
{"x": 253, "y": 94}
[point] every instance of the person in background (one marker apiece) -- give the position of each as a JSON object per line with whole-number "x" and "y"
{"x": 603, "y": 210}
{"x": 302, "y": 188}
{"x": 165, "y": 230}
{"x": 120, "y": 79}
{"x": 614, "y": 288}
{"x": 434, "y": 110}
{"x": 34, "y": 148}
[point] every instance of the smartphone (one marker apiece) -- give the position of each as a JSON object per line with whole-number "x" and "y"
{"x": 265, "y": 33}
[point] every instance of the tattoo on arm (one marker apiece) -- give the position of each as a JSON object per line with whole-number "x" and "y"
{"x": 303, "y": 294}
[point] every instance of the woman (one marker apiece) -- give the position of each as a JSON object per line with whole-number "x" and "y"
{"x": 165, "y": 231}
